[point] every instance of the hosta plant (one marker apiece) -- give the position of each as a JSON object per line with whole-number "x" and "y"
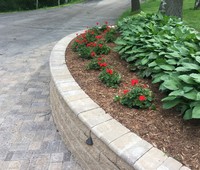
{"x": 166, "y": 50}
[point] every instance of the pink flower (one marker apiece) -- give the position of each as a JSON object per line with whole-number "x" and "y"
{"x": 97, "y": 23}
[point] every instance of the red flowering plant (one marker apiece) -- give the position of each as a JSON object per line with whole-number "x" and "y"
{"x": 96, "y": 63}
{"x": 110, "y": 77}
{"x": 110, "y": 34}
{"x": 139, "y": 96}
{"x": 91, "y": 43}
{"x": 101, "y": 48}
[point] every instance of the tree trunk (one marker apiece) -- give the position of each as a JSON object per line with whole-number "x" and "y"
{"x": 197, "y": 4}
{"x": 36, "y": 4}
{"x": 171, "y": 7}
{"x": 135, "y": 5}
{"x": 58, "y": 2}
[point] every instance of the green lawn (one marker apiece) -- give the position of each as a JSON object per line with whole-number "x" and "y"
{"x": 190, "y": 16}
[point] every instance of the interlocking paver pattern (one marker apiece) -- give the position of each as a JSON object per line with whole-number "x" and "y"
{"x": 28, "y": 137}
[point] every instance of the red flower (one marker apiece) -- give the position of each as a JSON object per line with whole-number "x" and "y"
{"x": 100, "y": 45}
{"x": 142, "y": 98}
{"x": 93, "y": 54}
{"x": 105, "y": 31}
{"x": 109, "y": 71}
{"x": 106, "y": 22}
{"x": 102, "y": 64}
{"x": 99, "y": 59}
{"x": 134, "y": 82}
{"x": 97, "y": 23}
{"x": 126, "y": 91}
{"x": 98, "y": 37}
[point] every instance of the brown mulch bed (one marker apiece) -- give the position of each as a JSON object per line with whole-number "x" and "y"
{"x": 165, "y": 129}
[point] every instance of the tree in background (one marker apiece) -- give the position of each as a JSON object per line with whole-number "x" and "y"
{"x": 135, "y": 5}
{"x": 197, "y": 4}
{"x": 171, "y": 7}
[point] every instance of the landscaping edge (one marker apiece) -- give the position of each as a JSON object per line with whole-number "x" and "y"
{"x": 78, "y": 118}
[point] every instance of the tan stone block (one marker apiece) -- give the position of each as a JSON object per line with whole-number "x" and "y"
{"x": 35, "y": 145}
{"x": 170, "y": 163}
{"x": 14, "y": 165}
{"x": 150, "y": 160}
{"x": 82, "y": 105}
{"x": 104, "y": 149}
{"x": 109, "y": 131}
{"x": 94, "y": 117}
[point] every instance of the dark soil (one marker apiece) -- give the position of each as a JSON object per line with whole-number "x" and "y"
{"x": 164, "y": 129}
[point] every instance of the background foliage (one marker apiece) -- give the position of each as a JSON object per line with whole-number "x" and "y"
{"x": 13, "y": 5}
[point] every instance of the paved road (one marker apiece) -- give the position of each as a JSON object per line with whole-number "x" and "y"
{"x": 28, "y": 137}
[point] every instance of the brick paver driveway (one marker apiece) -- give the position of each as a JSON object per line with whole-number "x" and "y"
{"x": 28, "y": 137}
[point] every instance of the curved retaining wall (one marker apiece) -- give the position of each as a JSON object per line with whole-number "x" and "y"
{"x": 78, "y": 117}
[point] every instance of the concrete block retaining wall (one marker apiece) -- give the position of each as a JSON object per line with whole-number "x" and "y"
{"x": 78, "y": 117}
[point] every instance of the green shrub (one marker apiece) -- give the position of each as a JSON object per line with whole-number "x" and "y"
{"x": 166, "y": 50}
{"x": 110, "y": 77}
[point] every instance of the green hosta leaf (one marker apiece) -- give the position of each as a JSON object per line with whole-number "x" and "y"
{"x": 160, "y": 77}
{"x": 120, "y": 41}
{"x": 188, "y": 114}
{"x": 168, "y": 98}
{"x": 171, "y": 61}
{"x": 191, "y": 66}
{"x": 197, "y": 58}
{"x": 182, "y": 69}
{"x": 167, "y": 67}
{"x": 184, "y": 51}
{"x": 187, "y": 79}
{"x": 191, "y": 95}
{"x": 177, "y": 93}
{"x": 191, "y": 45}
{"x": 152, "y": 64}
{"x": 187, "y": 89}
{"x": 144, "y": 61}
{"x": 196, "y": 77}
{"x": 198, "y": 96}
{"x": 196, "y": 112}
{"x": 175, "y": 54}
{"x": 171, "y": 103}
{"x": 171, "y": 85}
{"x": 130, "y": 59}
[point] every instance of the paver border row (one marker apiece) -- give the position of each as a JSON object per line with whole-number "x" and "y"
{"x": 79, "y": 119}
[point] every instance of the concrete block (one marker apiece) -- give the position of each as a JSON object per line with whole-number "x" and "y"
{"x": 130, "y": 147}
{"x": 94, "y": 117}
{"x": 82, "y": 105}
{"x": 170, "y": 164}
{"x": 151, "y": 160}
{"x": 109, "y": 130}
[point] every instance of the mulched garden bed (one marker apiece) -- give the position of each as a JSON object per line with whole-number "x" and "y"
{"x": 165, "y": 129}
